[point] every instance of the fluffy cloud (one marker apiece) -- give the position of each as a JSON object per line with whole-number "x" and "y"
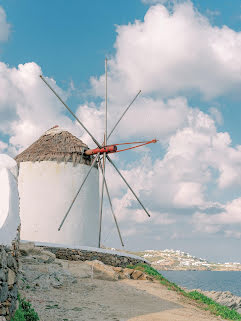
{"x": 197, "y": 155}
{"x": 230, "y": 215}
{"x": 232, "y": 234}
{"x": 173, "y": 52}
{"x": 27, "y": 107}
{"x": 4, "y": 26}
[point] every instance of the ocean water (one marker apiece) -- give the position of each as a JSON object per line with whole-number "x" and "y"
{"x": 207, "y": 280}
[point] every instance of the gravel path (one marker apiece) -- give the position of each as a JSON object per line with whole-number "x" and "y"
{"x": 69, "y": 290}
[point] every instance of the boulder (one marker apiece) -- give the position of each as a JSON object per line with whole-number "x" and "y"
{"x": 102, "y": 271}
{"x": 45, "y": 257}
{"x": 136, "y": 274}
{"x": 11, "y": 277}
{"x": 118, "y": 269}
{"x": 26, "y": 248}
{"x": 143, "y": 277}
{"x": 127, "y": 273}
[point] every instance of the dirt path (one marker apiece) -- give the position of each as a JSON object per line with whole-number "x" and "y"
{"x": 68, "y": 290}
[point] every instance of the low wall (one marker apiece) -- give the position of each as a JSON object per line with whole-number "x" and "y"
{"x": 113, "y": 258}
{"x": 9, "y": 264}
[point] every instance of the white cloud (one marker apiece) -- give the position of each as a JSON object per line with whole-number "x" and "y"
{"x": 3, "y": 146}
{"x": 27, "y": 106}
{"x": 216, "y": 115}
{"x": 173, "y": 52}
{"x": 232, "y": 234}
{"x": 197, "y": 155}
{"x": 229, "y": 216}
{"x": 4, "y": 26}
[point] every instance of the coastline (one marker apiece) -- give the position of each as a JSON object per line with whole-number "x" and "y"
{"x": 222, "y": 297}
{"x": 176, "y": 260}
{"x": 169, "y": 268}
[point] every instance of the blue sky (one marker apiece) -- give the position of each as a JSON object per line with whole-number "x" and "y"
{"x": 190, "y": 76}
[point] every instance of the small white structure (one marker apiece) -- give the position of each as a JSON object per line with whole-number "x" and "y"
{"x": 9, "y": 200}
{"x": 51, "y": 171}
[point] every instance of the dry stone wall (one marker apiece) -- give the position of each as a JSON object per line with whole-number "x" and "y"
{"x": 9, "y": 265}
{"x": 89, "y": 255}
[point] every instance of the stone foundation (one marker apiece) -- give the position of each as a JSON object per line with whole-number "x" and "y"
{"x": 114, "y": 259}
{"x": 9, "y": 265}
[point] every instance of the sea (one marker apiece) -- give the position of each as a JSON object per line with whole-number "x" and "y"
{"x": 207, "y": 280}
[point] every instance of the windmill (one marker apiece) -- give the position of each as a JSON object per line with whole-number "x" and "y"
{"x": 103, "y": 149}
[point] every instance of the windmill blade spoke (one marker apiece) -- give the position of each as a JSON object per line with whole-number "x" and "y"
{"x": 123, "y": 114}
{"x": 105, "y": 100}
{"x": 112, "y": 210}
{"x": 92, "y": 165}
{"x": 101, "y": 198}
{"x": 113, "y": 164}
{"x": 66, "y": 106}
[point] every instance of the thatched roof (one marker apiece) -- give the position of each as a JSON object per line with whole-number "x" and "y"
{"x": 58, "y": 145}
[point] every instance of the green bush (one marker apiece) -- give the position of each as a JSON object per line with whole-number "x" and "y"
{"x": 25, "y": 311}
{"x": 215, "y": 307}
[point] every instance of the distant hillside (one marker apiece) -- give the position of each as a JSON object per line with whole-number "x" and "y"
{"x": 178, "y": 260}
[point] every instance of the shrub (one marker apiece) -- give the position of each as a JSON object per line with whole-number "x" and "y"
{"x": 25, "y": 311}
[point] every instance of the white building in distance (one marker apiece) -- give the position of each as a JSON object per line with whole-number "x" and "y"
{"x": 51, "y": 171}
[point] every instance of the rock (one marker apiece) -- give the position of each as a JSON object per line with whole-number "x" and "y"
{"x": 3, "y": 276}
{"x": 44, "y": 276}
{"x": 3, "y": 311}
{"x": 11, "y": 277}
{"x": 14, "y": 292}
{"x": 12, "y": 307}
{"x": 118, "y": 269}
{"x": 45, "y": 257}
{"x": 151, "y": 278}
{"x": 143, "y": 277}
{"x": 136, "y": 274}
{"x": 3, "y": 259}
{"x": 224, "y": 298}
{"x": 80, "y": 269}
{"x": 11, "y": 262}
{"x": 2, "y": 318}
{"x": 26, "y": 248}
{"x": 3, "y": 292}
{"x": 102, "y": 271}
{"x": 127, "y": 272}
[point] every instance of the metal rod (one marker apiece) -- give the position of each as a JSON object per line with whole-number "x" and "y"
{"x": 70, "y": 111}
{"x": 101, "y": 198}
{"x": 97, "y": 143}
{"x": 123, "y": 114}
{"x": 105, "y": 100}
{"x": 112, "y": 210}
{"x": 92, "y": 165}
{"x": 127, "y": 184}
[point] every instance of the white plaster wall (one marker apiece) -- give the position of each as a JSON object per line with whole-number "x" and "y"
{"x": 9, "y": 200}
{"x": 46, "y": 190}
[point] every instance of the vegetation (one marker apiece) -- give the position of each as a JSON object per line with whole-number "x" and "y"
{"x": 204, "y": 301}
{"x": 25, "y": 312}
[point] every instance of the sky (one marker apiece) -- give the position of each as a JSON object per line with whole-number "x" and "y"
{"x": 185, "y": 57}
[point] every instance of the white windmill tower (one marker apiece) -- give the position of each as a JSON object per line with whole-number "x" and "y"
{"x": 49, "y": 174}
{"x": 104, "y": 150}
